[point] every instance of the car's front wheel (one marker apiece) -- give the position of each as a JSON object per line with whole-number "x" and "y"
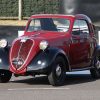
{"x": 95, "y": 72}
{"x": 57, "y": 75}
{"x": 5, "y": 76}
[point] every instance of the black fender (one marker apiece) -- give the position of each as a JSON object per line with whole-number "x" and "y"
{"x": 44, "y": 59}
{"x": 96, "y": 51}
{"x": 4, "y": 58}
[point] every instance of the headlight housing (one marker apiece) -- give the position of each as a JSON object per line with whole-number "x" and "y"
{"x": 3, "y": 43}
{"x": 43, "y": 45}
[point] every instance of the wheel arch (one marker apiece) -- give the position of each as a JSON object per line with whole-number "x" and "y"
{"x": 95, "y": 53}
{"x": 49, "y": 57}
{"x": 67, "y": 67}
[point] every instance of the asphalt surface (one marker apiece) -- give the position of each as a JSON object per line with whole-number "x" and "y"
{"x": 77, "y": 87}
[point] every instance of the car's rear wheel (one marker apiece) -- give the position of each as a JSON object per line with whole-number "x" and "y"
{"x": 5, "y": 76}
{"x": 95, "y": 72}
{"x": 58, "y": 73}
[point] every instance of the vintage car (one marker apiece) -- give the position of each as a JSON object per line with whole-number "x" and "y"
{"x": 52, "y": 45}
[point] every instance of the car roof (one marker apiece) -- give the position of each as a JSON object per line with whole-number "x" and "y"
{"x": 51, "y": 15}
{"x": 77, "y": 16}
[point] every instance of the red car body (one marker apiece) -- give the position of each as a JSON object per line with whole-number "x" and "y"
{"x": 71, "y": 46}
{"x": 62, "y": 40}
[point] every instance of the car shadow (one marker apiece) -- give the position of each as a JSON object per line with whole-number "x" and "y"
{"x": 71, "y": 79}
{"x": 40, "y": 80}
{"x": 78, "y": 79}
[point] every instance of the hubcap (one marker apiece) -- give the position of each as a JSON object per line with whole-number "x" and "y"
{"x": 58, "y": 70}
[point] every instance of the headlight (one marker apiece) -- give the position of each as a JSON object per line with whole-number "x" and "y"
{"x": 43, "y": 45}
{"x": 3, "y": 43}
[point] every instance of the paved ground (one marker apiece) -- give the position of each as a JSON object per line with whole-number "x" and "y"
{"x": 77, "y": 87}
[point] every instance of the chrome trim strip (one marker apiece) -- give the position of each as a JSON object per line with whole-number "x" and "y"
{"x": 80, "y": 69}
{"x": 20, "y": 49}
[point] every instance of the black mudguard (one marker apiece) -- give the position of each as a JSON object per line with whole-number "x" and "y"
{"x": 4, "y": 59}
{"x": 96, "y": 51}
{"x": 44, "y": 59}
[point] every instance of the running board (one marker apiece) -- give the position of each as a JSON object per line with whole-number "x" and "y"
{"x": 81, "y": 69}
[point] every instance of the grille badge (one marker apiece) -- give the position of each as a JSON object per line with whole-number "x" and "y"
{"x": 18, "y": 62}
{"x": 24, "y": 39}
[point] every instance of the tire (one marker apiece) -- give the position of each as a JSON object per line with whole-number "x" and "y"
{"x": 5, "y": 76}
{"x": 58, "y": 73}
{"x": 95, "y": 72}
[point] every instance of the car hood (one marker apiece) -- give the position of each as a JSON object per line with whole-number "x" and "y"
{"x": 44, "y": 34}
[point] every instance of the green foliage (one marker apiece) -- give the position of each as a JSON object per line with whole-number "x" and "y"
{"x": 39, "y": 6}
{"x": 9, "y": 8}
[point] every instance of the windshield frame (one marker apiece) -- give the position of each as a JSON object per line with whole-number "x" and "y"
{"x": 48, "y": 18}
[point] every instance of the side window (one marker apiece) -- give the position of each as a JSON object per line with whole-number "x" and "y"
{"x": 76, "y": 28}
{"x": 80, "y": 27}
{"x": 83, "y": 27}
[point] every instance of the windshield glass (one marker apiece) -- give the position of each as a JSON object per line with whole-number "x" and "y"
{"x": 49, "y": 24}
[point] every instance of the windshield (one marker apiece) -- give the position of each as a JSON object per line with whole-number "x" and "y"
{"x": 49, "y": 24}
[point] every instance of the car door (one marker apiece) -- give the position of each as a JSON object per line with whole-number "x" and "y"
{"x": 79, "y": 48}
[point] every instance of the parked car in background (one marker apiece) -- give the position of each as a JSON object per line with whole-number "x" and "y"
{"x": 52, "y": 45}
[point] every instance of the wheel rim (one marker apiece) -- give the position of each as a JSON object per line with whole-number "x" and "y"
{"x": 58, "y": 70}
